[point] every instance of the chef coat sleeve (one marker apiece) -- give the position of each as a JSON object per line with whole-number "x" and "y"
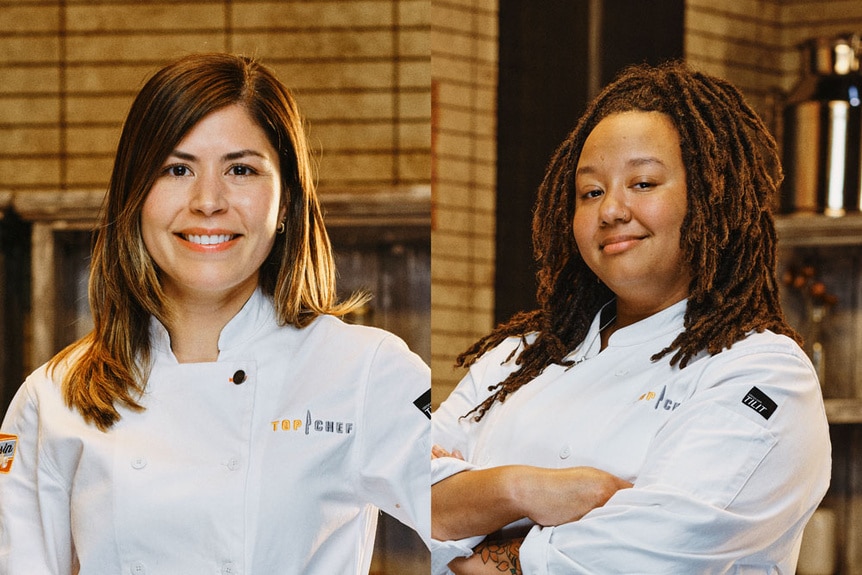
{"x": 449, "y": 428}
{"x": 727, "y": 477}
{"x": 35, "y": 529}
{"x": 451, "y": 431}
{"x": 394, "y": 446}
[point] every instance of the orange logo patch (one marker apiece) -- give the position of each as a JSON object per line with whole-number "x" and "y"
{"x": 8, "y": 443}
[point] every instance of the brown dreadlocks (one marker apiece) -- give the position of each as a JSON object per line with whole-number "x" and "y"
{"x": 728, "y": 234}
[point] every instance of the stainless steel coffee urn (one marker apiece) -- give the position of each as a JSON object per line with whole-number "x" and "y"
{"x": 822, "y": 130}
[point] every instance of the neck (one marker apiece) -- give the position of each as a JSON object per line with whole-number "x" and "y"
{"x": 631, "y": 311}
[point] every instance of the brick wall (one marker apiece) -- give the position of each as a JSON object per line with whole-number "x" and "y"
{"x": 464, "y": 73}
{"x": 359, "y": 69}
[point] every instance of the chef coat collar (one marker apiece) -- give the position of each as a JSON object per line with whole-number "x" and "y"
{"x": 669, "y": 320}
{"x": 257, "y": 312}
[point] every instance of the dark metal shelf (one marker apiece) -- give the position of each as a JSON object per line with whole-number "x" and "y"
{"x": 819, "y": 230}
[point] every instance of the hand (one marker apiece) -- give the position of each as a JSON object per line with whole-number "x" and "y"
{"x": 437, "y": 452}
{"x": 557, "y": 496}
{"x": 490, "y": 557}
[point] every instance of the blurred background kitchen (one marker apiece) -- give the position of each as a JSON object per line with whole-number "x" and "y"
{"x": 510, "y": 78}
{"x": 360, "y": 71}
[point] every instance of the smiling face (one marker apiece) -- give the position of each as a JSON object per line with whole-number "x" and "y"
{"x": 631, "y": 202}
{"x": 209, "y": 220}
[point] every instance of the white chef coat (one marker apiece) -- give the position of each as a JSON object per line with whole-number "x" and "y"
{"x": 729, "y": 456}
{"x": 282, "y": 473}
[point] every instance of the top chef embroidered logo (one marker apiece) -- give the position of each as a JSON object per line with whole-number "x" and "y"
{"x": 8, "y": 443}
{"x": 662, "y": 401}
{"x": 313, "y": 425}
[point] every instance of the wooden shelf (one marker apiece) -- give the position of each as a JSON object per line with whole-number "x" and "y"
{"x": 819, "y": 230}
{"x": 844, "y": 410}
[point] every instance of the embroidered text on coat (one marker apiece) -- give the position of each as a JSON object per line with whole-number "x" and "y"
{"x": 312, "y": 425}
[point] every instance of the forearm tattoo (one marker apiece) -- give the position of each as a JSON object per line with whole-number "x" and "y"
{"x": 504, "y": 555}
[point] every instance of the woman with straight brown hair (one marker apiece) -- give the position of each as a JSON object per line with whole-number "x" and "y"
{"x": 219, "y": 418}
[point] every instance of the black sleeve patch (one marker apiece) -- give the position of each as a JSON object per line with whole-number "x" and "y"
{"x": 760, "y": 402}
{"x": 423, "y": 403}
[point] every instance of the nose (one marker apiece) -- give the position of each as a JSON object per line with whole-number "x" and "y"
{"x": 614, "y": 207}
{"x": 208, "y": 195}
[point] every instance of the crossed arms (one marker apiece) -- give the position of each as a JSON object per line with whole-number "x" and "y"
{"x": 480, "y": 502}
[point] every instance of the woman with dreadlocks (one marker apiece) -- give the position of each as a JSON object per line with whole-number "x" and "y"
{"x": 656, "y": 413}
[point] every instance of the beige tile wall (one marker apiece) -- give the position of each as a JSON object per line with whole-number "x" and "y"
{"x": 754, "y": 43}
{"x": 360, "y": 70}
{"x": 464, "y": 73}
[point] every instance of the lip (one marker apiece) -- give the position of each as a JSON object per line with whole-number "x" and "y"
{"x": 619, "y": 243}
{"x": 207, "y": 240}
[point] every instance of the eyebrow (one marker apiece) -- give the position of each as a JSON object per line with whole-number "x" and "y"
{"x": 646, "y": 160}
{"x": 634, "y": 162}
{"x": 226, "y": 158}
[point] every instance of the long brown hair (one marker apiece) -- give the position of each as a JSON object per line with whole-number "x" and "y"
{"x": 728, "y": 234}
{"x": 110, "y": 366}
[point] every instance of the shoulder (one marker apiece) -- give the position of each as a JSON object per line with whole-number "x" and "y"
{"x": 766, "y": 357}
{"x": 333, "y": 328}
{"x": 38, "y": 401}
{"x": 345, "y": 342}
{"x": 768, "y": 378}
{"x": 44, "y": 385}
{"x": 377, "y": 364}
{"x": 49, "y": 390}
{"x": 768, "y": 340}
{"x": 759, "y": 348}
{"x": 497, "y": 363}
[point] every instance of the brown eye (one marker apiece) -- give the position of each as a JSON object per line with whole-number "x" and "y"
{"x": 241, "y": 170}
{"x": 177, "y": 171}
